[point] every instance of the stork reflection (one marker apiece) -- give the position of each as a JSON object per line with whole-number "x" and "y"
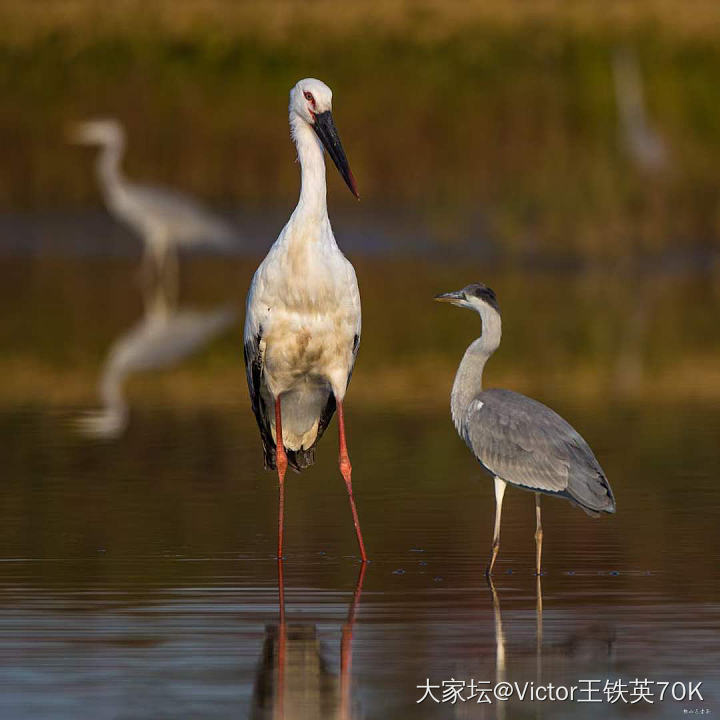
{"x": 294, "y": 681}
{"x": 164, "y": 336}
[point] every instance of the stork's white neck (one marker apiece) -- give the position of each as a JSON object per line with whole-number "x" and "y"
{"x": 312, "y": 205}
{"x": 468, "y": 380}
{"x": 108, "y": 166}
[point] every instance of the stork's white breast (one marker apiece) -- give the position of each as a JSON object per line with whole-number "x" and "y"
{"x": 308, "y": 305}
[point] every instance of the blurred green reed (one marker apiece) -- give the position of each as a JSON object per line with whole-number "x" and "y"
{"x": 494, "y": 115}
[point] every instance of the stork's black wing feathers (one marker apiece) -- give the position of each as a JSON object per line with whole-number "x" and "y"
{"x": 297, "y": 459}
{"x": 254, "y": 371}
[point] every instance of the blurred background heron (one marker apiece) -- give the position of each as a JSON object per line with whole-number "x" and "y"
{"x": 641, "y": 139}
{"x": 165, "y": 219}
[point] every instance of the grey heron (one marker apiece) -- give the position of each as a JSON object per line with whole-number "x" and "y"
{"x": 165, "y": 219}
{"x": 518, "y": 440}
{"x": 302, "y": 322}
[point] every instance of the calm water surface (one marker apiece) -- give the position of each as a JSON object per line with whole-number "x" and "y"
{"x": 139, "y": 582}
{"x": 137, "y": 572}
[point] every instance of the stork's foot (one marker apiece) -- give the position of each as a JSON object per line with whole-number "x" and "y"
{"x": 346, "y": 472}
{"x": 281, "y": 464}
{"x": 346, "y": 469}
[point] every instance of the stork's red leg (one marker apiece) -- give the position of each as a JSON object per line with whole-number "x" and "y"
{"x": 346, "y": 471}
{"x": 281, "y": 464}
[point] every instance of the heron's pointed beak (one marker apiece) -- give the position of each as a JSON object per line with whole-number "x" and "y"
{"x": 455, "y": 297}
{"x": 327, "y": 132}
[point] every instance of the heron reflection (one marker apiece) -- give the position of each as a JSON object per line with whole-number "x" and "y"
{"x": 546, "y": 662}
{"x": 164, "y": 336}
{"x": 294, "y": 680}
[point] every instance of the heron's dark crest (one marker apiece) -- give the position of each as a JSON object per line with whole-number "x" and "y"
{"x": 484, "y": 293}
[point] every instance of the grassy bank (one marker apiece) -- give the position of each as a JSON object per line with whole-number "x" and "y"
{"x": 493, "y": 118}
{"x": 566, "y": 338}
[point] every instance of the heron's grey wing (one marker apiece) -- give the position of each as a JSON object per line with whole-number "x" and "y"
{"x": 526, "y": 443}
{"x": 253, "y": 352}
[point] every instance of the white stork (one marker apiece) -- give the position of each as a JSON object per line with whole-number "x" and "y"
{"x": 302, "y": 323}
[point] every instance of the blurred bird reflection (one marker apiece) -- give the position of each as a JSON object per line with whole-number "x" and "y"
{"x": 592, "y": 644}
{"x": 293, "y": 680}
{"x": 164, "y": 336}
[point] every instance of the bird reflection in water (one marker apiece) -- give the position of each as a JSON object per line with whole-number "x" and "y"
{"x": 293, "y": 680}
{"x": 592, "y": 645}
{"x": 164, "y": 336}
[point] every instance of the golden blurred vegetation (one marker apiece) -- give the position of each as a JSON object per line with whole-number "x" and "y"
{"x": 587, "y": 337}
{"x": 490, "y": 117}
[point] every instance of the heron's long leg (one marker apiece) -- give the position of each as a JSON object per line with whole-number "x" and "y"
{"x": 166, "y": 261}
{"x": 538, "y": 535}
{"x": 148, "y": 268}
{"x": 539, "y": 627}
{"x": 171, "y": 273}
{"x": 500, "y": 486}
{"x": 346, "y": 471}
{"x": 281, "y": 463}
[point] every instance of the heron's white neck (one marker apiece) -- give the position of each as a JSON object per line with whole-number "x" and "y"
{"x": 629, "y": 92}
{"x": 312, "y": 205}
{"x": 468, "y": 380}
{"x": 108, "y": 166}
{"x": 115, "y": 408}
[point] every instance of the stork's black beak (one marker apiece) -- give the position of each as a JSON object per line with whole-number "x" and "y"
{"x": 451, "y": 297}
{"x": 327, "y": 132}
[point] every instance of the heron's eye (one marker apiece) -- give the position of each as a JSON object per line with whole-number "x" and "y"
{"x": 309, "y": 97}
